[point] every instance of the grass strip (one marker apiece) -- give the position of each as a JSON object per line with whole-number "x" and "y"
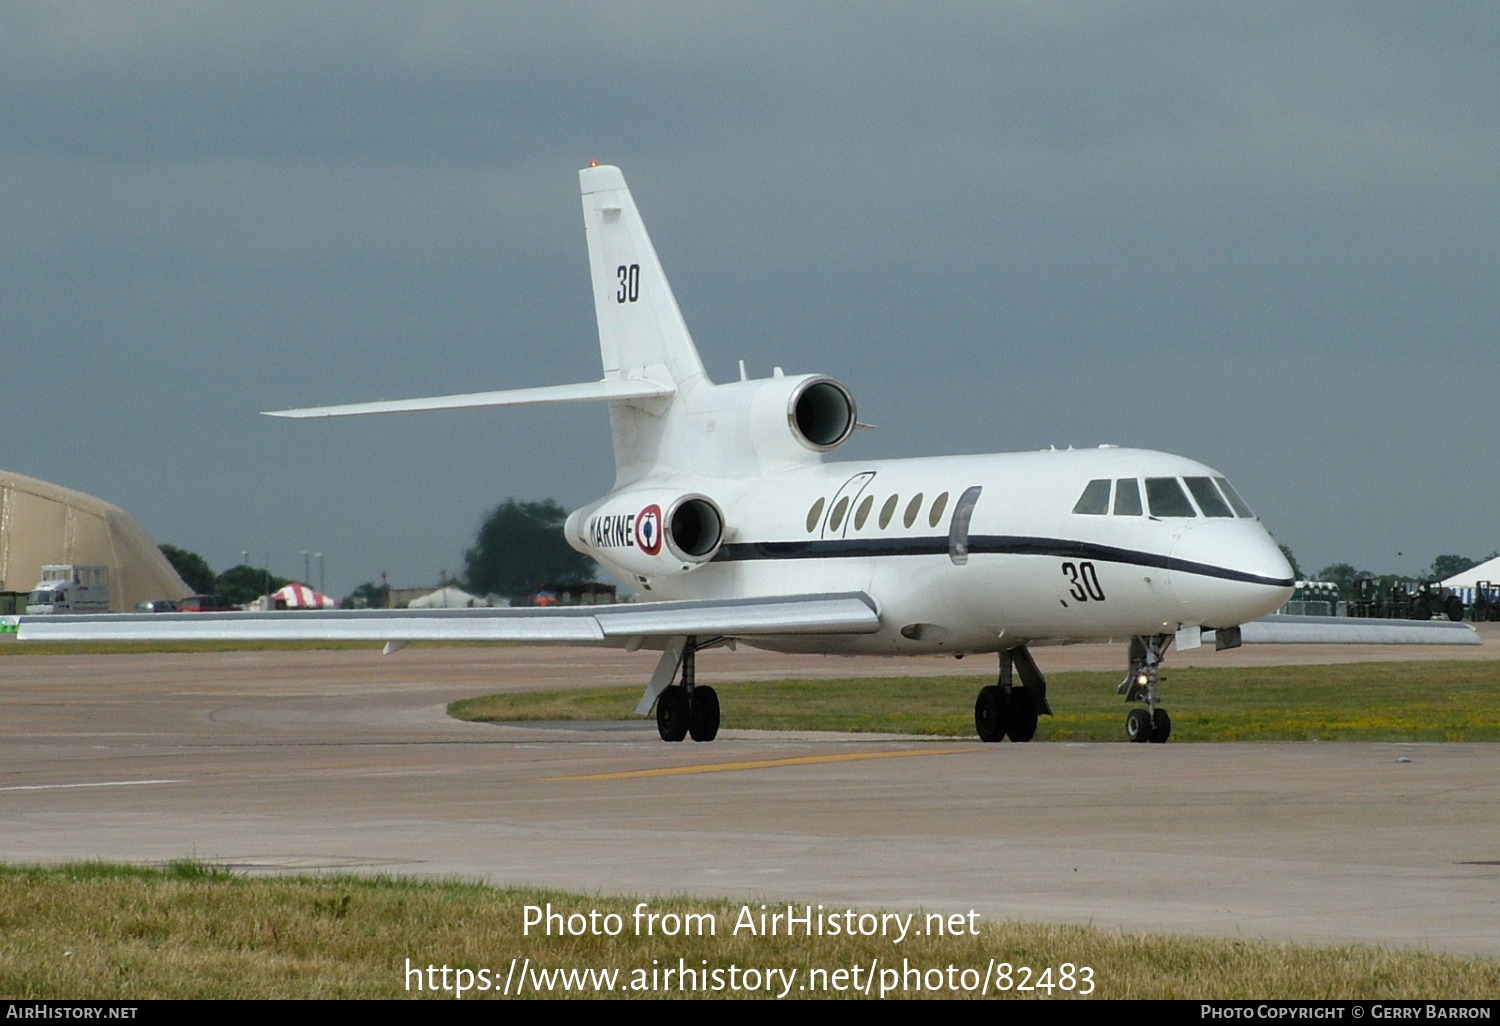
{"x": 1419, "y": 701}
{"x": 191, "y": 930}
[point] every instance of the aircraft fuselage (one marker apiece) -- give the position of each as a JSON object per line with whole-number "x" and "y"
{"x": 1026, "y": 568}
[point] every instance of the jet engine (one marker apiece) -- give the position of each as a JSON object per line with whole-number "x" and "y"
{"x": 647, "y": 534}
{"x": 807, "y": 413}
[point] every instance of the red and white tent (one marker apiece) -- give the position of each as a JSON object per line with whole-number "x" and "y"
{"x": 300, "y": 596}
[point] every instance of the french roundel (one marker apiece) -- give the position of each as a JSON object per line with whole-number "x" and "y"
{"x": 648, "y": 530}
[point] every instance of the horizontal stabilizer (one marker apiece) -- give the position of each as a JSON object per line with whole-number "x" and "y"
{"x": 1348, "y": 630}
{"x": 850, "y": 613}
{"x": 609, "y": 388}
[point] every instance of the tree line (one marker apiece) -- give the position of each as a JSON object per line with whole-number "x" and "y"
{"x": 237, "y": 586}
{"x": 518, "y": 548}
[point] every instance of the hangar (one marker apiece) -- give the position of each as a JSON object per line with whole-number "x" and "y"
{"x": 43, "y": 523}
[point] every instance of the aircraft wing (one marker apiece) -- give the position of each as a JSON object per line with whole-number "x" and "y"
{"x": 843, "y": 613}
{"x": 1346, "y": 630}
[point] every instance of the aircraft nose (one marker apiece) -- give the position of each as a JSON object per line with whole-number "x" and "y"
{"x": 1225, "y": 572}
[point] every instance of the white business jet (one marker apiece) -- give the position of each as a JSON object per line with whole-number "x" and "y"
{"x": 727, "y": 517}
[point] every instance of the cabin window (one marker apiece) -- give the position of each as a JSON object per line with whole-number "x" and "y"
{"x": 1127, "y": 497}
{"x": 938, "y": 505}
{"x": 1095, "y": 498}
{"x": 863, "y": 513}
{"x": 1167, "y": 498}
{"x": 958, "y": 531}
{"x": 814, "y": 515}
{"x": 1209, "y": 500}
{"x": 887, "y": 511}
{"x": 836, "y": 518}
{"x": 1234, "y": 498}
{"x": 912, "y": 509}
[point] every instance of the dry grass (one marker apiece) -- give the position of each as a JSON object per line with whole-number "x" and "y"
{"x": 189, "y": 931}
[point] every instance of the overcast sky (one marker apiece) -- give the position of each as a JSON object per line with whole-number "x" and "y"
{"x": 1261, "y": 235}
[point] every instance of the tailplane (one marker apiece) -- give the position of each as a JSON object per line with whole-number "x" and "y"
{"x": 648, "y": 356}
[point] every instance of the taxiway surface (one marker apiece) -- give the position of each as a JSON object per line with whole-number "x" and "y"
{"x": 277, "y": 761}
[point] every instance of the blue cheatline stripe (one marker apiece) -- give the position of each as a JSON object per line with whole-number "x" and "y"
{"x": 989, "y": 544}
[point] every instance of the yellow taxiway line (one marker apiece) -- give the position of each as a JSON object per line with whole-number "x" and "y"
{"x": 726, "y": 767}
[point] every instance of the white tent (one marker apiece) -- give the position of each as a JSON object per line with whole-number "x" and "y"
{"x": 1487, "y": 571}
{"x": 449, "y": 597}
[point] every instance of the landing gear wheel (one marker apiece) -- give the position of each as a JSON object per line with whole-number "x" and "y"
{"x": 672, "y": 714}
{"x": 1161, "y": 727}
{"x": 703, "y": 713}
{"x": 991, "y": 714}
{"x": 1138, "y": 726}
{"x": 1023, "y": 715}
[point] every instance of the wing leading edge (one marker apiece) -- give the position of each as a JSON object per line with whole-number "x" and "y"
{"x": 844, "y": 613}
{"x": 588, "y": 391}
{"x": 1344, "y": 630}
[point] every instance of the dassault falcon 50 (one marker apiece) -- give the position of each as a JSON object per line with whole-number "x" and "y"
{"x": 728, "y": 519}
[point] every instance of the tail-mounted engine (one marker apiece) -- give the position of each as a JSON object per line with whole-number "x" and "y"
{"x": 792, "y": 416}
{"x": 647, "y": 535}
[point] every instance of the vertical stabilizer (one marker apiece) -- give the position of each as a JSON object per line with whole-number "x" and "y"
{"x": 641, "y": 331}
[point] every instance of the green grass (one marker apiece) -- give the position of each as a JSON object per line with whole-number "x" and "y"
{"x": 194, "y": 931}
{"x": 1427, "y": 701}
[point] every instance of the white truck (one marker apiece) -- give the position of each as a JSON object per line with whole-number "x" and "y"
{"x": 70, "y": 588}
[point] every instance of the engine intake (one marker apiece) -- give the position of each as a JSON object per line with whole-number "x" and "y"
{"x": 821, "y": 413}
{"x": 695, "y": 529}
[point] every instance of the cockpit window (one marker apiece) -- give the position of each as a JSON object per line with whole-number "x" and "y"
{"x": 1127, "y": 497}
{"x": 1234, "y": 498}
{"x": 1209, "y": 500}
{"x": 1167, "y": 498}
{"x": 1095, "y": 498}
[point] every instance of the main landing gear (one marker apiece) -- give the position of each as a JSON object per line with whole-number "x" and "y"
{"x": 688, "y": 708}
{"x": 1151, "y": 724}
{"x": 1003, "y": 710}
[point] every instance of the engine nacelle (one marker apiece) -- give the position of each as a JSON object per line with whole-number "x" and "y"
{"x": 646, "y": 534}
{"x": 793, "y": 416}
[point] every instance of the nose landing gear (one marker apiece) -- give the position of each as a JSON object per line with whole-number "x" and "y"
{"x": 1151, "y": 724}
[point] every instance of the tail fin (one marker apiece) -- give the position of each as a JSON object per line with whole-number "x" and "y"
{"x": 641, "y": 331}
{"x": 649, "y": 357}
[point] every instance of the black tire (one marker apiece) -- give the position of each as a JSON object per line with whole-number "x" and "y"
{"x": 1161, "y": 727}
{"x": 990, "y": 714}
{"x": 703, "y": 713}
{"x": 1454, "y": 607}
{"x": 1421, "y": 609}
{"x": 672, "y": 713}
{"x": 1138, "y": 726}
{"x": 1023, "y": 715}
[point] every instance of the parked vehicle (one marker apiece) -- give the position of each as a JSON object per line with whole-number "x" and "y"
{"x": 70, "y": 588}
{"x": 204, "y": 604}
